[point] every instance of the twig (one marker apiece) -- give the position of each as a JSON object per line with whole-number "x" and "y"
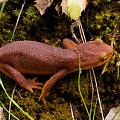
{"x": 10, "y": 101}
{"x": 18, "y": 20}
{"x": 92, "y": 92}
{"x": 72, "y": 111}
{"x": 98, "y": 94}
{"x": 81, "y": 31}
{"x": 114, "y": 33}
{"x": 20, "y": 94}
{"x": 73, "y": 33}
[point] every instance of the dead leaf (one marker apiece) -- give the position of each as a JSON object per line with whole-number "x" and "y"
{"x": 42, "y": 5}
{"x": 64, "y": 7}
{"x": 57, "y": 8}
{"x": 118, "y": 63}
{"x": 1, "y": 112}
{"x": 82, "y": 4}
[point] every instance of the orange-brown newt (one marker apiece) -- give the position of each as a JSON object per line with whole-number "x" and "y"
{"x": 32, "y": 57}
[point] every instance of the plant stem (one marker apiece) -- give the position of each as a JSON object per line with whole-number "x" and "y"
{"x": 80, "y": 90}
{"x": 2, "y": 8}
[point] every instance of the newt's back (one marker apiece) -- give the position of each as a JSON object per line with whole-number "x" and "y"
{"x": 35, "y": 58}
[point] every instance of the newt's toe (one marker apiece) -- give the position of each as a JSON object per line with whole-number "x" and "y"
{"x": 30, "y": 89}
{"x": 32, "y": 84}
{"x": 43, "y": 99}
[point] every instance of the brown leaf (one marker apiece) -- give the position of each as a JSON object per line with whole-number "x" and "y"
{"x": 64, "y": 7}
{"x": 82, "y": 4}
{"x": 118, "y": 63}
{"x": 42, "y": 5}
{"x": 57, "y": 8}
{"x": 1, "y": 114}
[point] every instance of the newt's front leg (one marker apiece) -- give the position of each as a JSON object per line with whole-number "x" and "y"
{"x": 19, "y": 78}
{"x": 49, "y": 84}
{"x": 67, "y": 43}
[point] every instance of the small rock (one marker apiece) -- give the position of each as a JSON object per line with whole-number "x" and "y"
{"x": 112, "y": 112}
{"x": 1, "y": 114}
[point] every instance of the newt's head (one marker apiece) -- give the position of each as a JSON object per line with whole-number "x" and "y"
{"x": 94, "y": 53}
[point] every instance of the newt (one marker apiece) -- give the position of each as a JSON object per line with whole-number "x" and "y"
{"x": 30, "y": 57}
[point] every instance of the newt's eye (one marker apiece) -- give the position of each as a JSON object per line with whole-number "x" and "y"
{"x": 103, "y": 56}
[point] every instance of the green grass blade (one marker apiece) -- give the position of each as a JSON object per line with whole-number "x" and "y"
{"x": 8, "y": 111}
{"x": 3, "y": 5}
{"x": 80, "y": 90}
{"x": 15, "y": 102}
{"x": 94, "y": 110}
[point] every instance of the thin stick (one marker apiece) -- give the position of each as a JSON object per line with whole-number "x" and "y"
{"x": 10, "y": 101}
{"x": 73, "y": 34}
{"x": 81, "y": 31}
{"x": 72, "y": 111}
{"x": 92, "y": 92}
{"x": 98, "y": 94}
{"x": 18, "y": 20}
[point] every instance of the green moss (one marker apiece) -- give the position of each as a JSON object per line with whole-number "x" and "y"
{"x": 31, "y": 17}
{"x": 59, "y": 110}
{"x": 104, "y": 17}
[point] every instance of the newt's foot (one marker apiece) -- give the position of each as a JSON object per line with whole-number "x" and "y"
{"x": 43, "y": 99}
{"x": 32, "y": 84}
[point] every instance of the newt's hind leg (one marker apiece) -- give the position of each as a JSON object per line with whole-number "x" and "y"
{"x": 49, "y": 84}
{"x": 19, "y": 78}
